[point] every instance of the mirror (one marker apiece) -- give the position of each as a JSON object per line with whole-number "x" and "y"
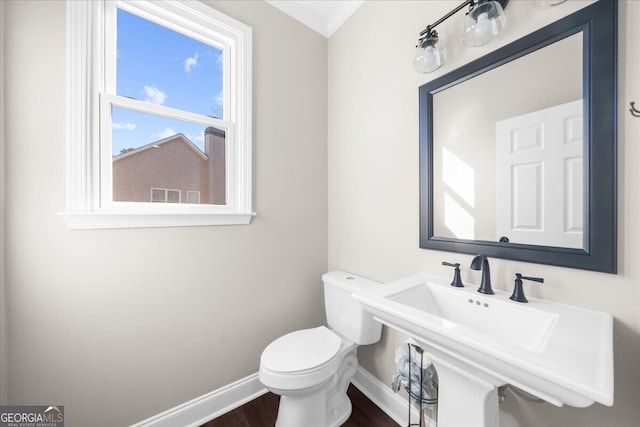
{"x": 512, "y": 145}
{"x": 518, "y": 148}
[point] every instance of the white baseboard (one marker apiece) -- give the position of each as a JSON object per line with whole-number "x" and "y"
{"x": 218, "y": 402}
{"x": 381, "y": 394}
{"x": 209, "y": 406}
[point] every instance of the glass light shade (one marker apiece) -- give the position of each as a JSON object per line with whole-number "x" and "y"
{"x": 483, "y": 23}
{"x": 430, "y": 55}
{"x": 547, "y": 3}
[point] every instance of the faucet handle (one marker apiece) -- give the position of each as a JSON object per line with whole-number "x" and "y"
{"x": 457, "y": 280}
{"x": 518, "y": 291}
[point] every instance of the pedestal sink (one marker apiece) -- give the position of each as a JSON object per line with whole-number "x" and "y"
{"x": 559, "y": 353}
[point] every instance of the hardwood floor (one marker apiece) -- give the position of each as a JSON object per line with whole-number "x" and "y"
{"x": 262, "y": 412}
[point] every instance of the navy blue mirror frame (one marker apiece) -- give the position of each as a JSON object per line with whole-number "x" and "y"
{"x": 598, "y": 24}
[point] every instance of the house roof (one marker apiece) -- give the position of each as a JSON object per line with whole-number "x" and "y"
{"x": 157, "y": 144}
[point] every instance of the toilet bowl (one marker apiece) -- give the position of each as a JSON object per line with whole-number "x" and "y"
{"x": 311, "y": 368}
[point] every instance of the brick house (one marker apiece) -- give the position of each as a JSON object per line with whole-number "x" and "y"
{"x": 173, "y": 170}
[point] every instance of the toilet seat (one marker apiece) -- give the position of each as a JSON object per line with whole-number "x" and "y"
{"x": 301, "y": 351}
{"x": 300, "y": 359}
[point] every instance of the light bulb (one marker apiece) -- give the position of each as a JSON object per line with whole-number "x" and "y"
{"x": 429, "y": 55}
{"x": 482, "y": 23}
{"x": 483, "y": 30}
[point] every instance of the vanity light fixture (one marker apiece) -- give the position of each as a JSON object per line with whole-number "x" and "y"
{"x": 484, "y": 20}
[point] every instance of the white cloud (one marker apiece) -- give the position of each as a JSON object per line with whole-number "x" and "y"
{"x": 218, "y": 104}
{"x": 167, "y": 132}
{"x": 123, "y": 126}
{"x": 191, "y": 62}
{"x": 196, "y": 138}
{"x": 154, "y": 95}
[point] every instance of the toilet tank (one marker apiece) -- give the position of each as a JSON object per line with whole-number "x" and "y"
{"x": 345, "y": 315}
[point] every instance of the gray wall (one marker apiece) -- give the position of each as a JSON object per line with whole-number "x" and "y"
{"x": 119, "y": 325}
{"x": 373, "y": 185}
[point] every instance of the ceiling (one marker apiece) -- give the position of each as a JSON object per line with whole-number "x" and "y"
{"x": 323, "y": 16}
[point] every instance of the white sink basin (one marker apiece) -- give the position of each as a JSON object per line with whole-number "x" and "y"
{"x": 560, "y": 353}
{"x": 481, "y": 317}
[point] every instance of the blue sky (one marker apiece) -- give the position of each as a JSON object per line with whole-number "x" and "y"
{"x": 158, "y": 65}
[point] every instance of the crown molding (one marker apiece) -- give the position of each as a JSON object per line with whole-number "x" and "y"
{"x": 324, "y": 17}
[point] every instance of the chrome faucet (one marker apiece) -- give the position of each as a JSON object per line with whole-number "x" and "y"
{"x": 481, "y": 262}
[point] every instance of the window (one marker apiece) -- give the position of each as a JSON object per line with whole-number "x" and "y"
{"x": 159, "y": 115}
{"x": 164, "y": 195}
{"x": 193, "y": 197}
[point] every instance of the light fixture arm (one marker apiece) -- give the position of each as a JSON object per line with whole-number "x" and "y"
{"x": 471, "y": 3}
{"x": 430, "y": 27}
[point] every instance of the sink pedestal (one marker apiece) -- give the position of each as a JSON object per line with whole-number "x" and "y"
{"x": 464, "y": 400}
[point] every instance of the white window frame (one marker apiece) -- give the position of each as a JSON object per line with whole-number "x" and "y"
{"x": 91, "y": 93}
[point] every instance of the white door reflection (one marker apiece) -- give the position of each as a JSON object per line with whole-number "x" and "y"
{"x": 539, "y": 177}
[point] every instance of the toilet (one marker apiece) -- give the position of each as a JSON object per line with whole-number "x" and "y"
{"x": 311, "y": 368}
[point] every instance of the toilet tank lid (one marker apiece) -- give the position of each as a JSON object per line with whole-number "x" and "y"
{"x": 347, "y": 281}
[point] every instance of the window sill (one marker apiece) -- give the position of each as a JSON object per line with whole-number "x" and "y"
{"x": 106, "y": 220}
